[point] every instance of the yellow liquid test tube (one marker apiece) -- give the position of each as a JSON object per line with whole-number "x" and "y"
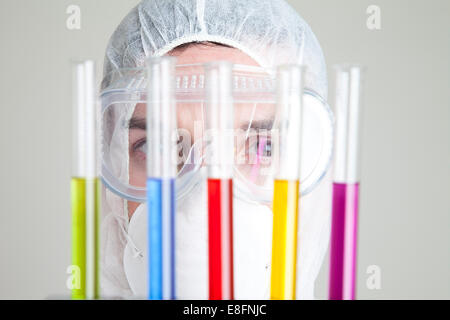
{"x": 287, "y": 182}
{"x": 85, "y": 186}
{"x": 284, "y": 241}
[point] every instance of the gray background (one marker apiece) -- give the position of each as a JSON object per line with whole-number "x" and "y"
{"x": 405, "y": 206}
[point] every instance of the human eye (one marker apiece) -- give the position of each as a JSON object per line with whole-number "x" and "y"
{"x": 264, "y": 146}
{"x": 140, "y": 147}
{"x": 259, "y": 148}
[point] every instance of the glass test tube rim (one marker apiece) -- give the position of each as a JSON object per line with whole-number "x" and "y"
{"x": 85, "y": 121}
{"x": 219, "y": 116}
{"x": 166, "y": 148}
{"x": 348, "y": 122}
{"x": 290, "y": 87}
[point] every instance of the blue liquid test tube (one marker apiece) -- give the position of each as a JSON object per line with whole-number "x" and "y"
{"x": 161, "y": 172}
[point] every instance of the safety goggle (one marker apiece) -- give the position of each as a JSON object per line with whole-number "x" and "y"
{"x": 124, "y": 99}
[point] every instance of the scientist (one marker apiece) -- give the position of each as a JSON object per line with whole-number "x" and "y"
{"x": 254, "y": 33}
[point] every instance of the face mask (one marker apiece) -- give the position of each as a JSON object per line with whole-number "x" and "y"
{"x": 252, "y": 248}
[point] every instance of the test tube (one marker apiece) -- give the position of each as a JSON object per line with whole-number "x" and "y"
{"x": 287, "y": 182}
{"x": 85, "y": 185}
{"x": 161, "y": 172}
{"x": 220, "y": 155}
{"x": 345, "y": 183}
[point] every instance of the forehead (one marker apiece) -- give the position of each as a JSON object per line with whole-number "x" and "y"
{"x": 140, "y": 110}
{"x": 202, "y": 53}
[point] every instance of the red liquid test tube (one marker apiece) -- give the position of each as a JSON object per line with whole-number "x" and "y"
{"x": 220, "y": 156}
{"x": 220, "y": 223}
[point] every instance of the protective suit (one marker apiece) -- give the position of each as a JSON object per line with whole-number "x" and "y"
{"x": 271, "y": 33}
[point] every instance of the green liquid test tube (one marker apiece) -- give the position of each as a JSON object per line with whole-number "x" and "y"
{"x": 85, "y": 187}
{"x": 85, "y": 224}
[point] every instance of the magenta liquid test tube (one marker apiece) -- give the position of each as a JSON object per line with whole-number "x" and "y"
{"x": 345, "y": 183}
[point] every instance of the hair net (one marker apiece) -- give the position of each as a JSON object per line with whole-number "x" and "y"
{"x": 270, "y": 32}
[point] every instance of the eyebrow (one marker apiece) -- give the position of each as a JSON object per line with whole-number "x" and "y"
{"x": 265, "y": 124}
{"x": 137, "y": 123}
